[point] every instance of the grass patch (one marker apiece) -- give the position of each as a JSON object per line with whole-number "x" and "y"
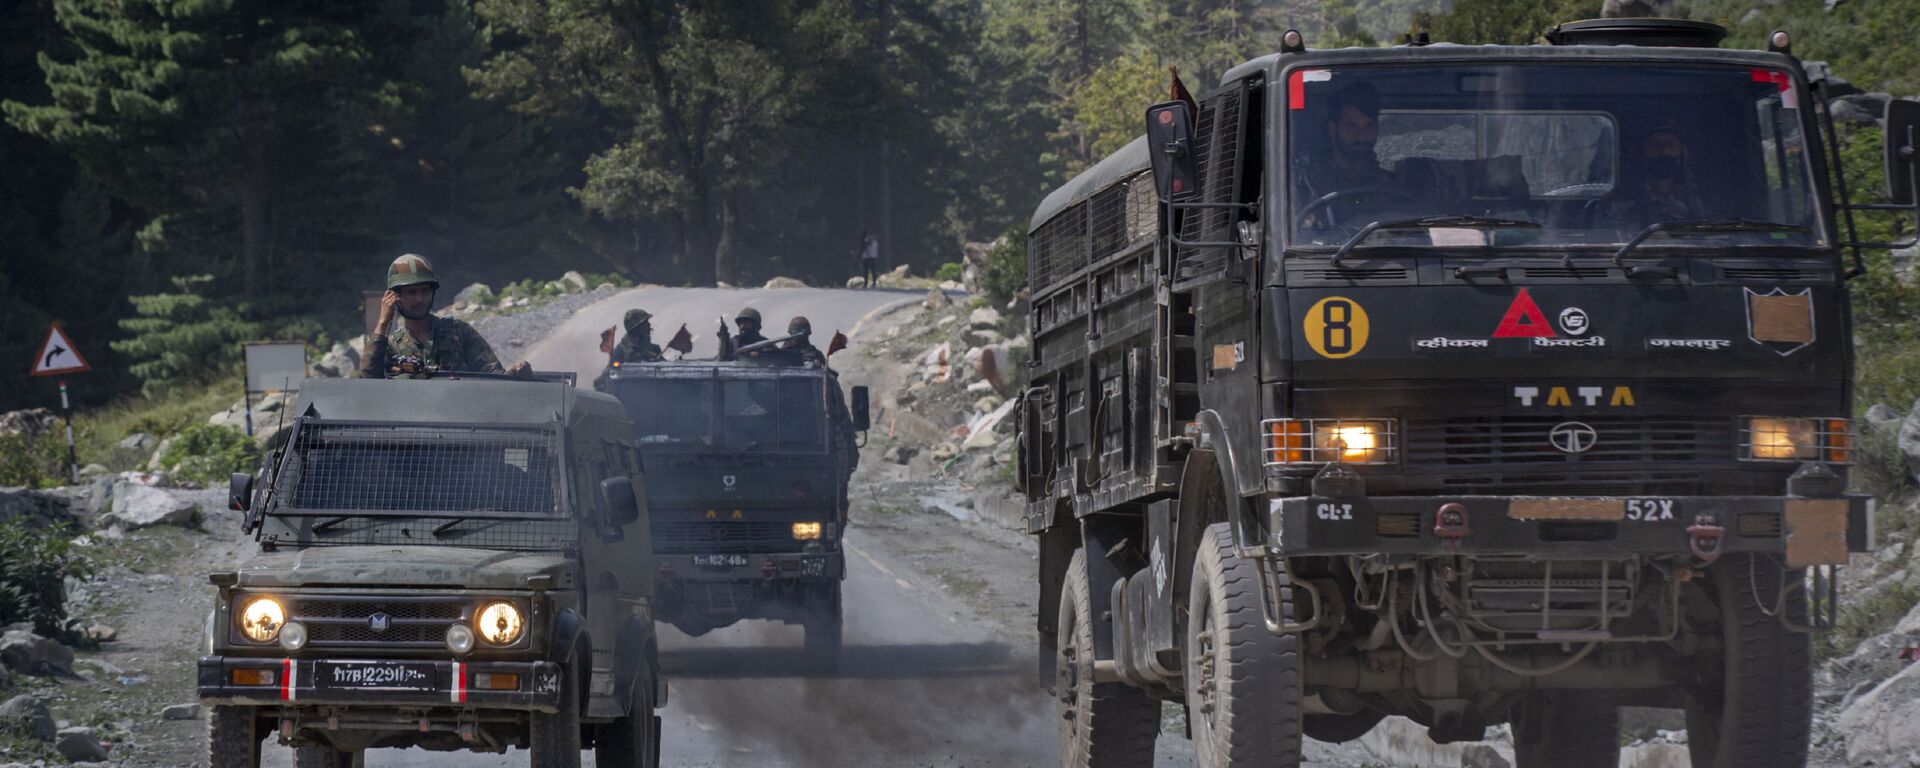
{"x": 1864, "y": 617}
{"x": 98, "y": 432}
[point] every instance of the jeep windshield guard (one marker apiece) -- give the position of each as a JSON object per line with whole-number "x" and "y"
{"x": 1593, "y": 152}
{"x": 375, "y": 469}
{"x": 754, "y": 414}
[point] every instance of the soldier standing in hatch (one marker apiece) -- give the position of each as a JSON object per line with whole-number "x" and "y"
{"x": 636, "y": 347}
{"x": 423, "y": 343}
{"x": 748, "y": 321}
{"x": 802, "y": 331}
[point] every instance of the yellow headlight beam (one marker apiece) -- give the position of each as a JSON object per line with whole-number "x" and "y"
{"x": 500, "y": 623}
{"x": 262, "y": 618}
{"x": 806, "y": 531}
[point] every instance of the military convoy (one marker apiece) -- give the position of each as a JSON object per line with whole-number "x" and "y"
{"x": 1472, "y": 384}
{"x": 443, "y": 564}
{"x": 747, "y": 465}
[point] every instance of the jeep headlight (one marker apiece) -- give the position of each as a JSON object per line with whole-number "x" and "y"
{"x": 500, "y": 623}
{"x": 261, "y": 619}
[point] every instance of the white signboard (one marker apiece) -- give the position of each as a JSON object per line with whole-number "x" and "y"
{"x": 276, "y": 366}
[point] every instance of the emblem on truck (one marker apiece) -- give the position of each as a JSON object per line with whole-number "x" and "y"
{"x": 1573, "y": 437}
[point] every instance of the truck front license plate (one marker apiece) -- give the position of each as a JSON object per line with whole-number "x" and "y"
{"x": 374, "y": 675}
{"x": 724, "y": 561}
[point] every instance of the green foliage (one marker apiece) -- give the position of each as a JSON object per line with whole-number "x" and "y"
{"x": 208, "y": 454}
{"x": 186, "y": 336}
{"x": 951, "y": 270}
{"x": 1861, "y": 617}
{"x": 1005, "y": 272}
{"x": 98, "y": 431}
{"x": 1506, "y": 22}
{"x": 37, "y": 463}
{"x": 1879, "y": 467}
{"x": 34, "y": 566}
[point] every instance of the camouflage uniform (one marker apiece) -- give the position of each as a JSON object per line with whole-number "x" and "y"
{"x": 744, "y": 337}
{"x": 637, "y": 346}
{"x": 451, "y": 345}
{"x": 808, "y": 352}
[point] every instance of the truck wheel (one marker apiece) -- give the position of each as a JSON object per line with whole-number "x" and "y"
{"x": 1756, "y": 707}
{"x": 823, "y": 625}
{"x": 555, "y": 738}
{"x": 1243, "y": 682}
{"x": 632, "y": 741}
{"x": 233, "y": 737}
{"x": 1575, "y": 729}
{"x": 1102, "y": 725}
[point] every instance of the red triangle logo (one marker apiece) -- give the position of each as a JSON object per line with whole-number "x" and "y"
{"x": 1523, "y": 320}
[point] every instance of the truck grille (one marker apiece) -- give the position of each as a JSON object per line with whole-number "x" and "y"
{"x": 348, "y": 622}
{"x": 722, "y": 537}
{"x": 1496, "y": 441}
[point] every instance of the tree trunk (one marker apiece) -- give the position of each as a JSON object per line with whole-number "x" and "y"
{"x": 723, "y": 256}
{"x": 253, "y": 209}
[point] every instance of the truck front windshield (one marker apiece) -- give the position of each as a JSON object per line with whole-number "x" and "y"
{"x": 399, "y": 469}
{"x": 760, "y": 414}
{"x": 1590, "y": 153}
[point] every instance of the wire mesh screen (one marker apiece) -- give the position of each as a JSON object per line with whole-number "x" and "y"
{"x": 1059, "y": 248}
{"x": 394, "y": 468}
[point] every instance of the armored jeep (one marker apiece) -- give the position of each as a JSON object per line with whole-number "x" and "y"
{"x": 446, "y": 564}
{"x": 747, "y": 464}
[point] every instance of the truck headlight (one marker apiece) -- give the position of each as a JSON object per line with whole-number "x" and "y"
{"x": 1773, "y": 438}
{"x": 500, "y": 623}
{"x": 806, "y": 531}
{"x": 1322, "y": 441}
{"x": 261, "y": 619}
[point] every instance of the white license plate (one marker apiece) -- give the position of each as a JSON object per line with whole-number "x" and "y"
{"x": 376, "y": 675}
{"x": 726, "y": 561}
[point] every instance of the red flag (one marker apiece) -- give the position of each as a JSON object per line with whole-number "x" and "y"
{"x": 682, "y": 342}
{"x": 1179, "y": 93}
{"x": 838, "y": 343}
{"x": 606, "y": 340}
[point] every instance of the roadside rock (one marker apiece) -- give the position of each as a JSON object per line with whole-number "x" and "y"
{"x": 937, "y": 299}
{"x": 92, "y": 471}
{"x": 1482, "y": 756}
{"x": 181, "y": 712}
{"x": 856, "y": 282}
{"x": 102, "y": 633}
{"x": 29, "y": 715}
{"x": 32, "y": 421}
{"x": 140, "y": 442}
{"x": 1883, "y": 725}
{"x": 160, "y": 453}
{"x": 985, "y": 319}
{"x": 900, "y": 454}
{"x": 30, "y": 654}
{"x": 784, "y": 282}
{"x": 140, "y": 506}
{"x": 574, "y": 282}
{"x": 1882, "y": 416}
{"x": 340, "y": 361}
{"x": 1909, "y": 440}
{"x": 79, "y": 745}
{"x": 473, "y": 294}
{"x": 39, "y": 509}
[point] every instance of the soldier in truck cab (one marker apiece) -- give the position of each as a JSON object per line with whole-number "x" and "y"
{"x": 1660, "y": 189}
{"x": 1348, "y": 162}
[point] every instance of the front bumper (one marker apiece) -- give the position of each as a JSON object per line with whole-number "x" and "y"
{"x": 309, "y": 682}
{"x": 1807, "y": 531}
{"x": 802, "y": 566}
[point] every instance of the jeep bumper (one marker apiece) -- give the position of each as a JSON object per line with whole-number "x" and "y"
{"x": 1807, "y": 531}
{"x": 376, "y": 684}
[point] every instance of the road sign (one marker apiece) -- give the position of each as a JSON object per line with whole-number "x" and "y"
{"x": 58, "y": 357}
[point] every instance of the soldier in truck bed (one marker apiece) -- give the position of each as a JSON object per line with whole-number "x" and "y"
{"x": 748, "y": 321}
{"x": 423, "y": 343}
{"x": 636, "y": 347}
{"x": 802, "y": 329}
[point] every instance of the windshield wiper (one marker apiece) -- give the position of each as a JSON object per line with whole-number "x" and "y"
{"x": 1707, "y": 226}
{"x": 323, "y": 525}
{"x": 1424, "y": 222}
{"x": 449, "y": 525}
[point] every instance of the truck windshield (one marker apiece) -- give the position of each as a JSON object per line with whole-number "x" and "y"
{"x": 398, "y": 469}
{"x": 1592, "y": 153}
{"x": 760, "y": 414}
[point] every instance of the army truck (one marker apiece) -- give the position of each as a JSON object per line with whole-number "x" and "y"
{"x": 448, "y": 564}
{"x": 747, "y": 465}
{"x": 1473, "y": 384}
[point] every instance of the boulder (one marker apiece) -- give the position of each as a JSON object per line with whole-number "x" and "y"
{"x": 1883, "y": 725}
{"x": 139, "y": 442}
{"x": 574, "y": 282}
{"x": 856, "y": 282}
{"x": 181, "y": 712}
{"x": 79, "y": 745}
{"x": 92, "y": 471}
{"x": 30, "y": 654}
{"x": 476, "y": 293}
{"x": 1881, "y": 415}
{"x": 1909, "y": 440}
{"x": 900, "y": 454}
{"x": 984, "y": 318}
{"x": 30, "y": 422}
{"x": 985, "y": 336}
{"x": 99, "y": 496}
{"x": 39, "y": 509}
{"x": 102, "y": 633}
{"x": 28, "y": 715}
{"x": 784, "y": 282}
{"x": 340, "y": 361}
{"x": 155, "y": 462}
{"x": 140, "y": 506}
{"x": 1482, "y": 756}
{"x": 937, "y": 299}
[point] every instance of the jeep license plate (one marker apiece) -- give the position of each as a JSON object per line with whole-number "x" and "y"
{"x": 375, "y": 675}
{"x": 727, "y": 561}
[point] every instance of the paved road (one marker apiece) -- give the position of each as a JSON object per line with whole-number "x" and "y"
{"x": 575, "y": 346}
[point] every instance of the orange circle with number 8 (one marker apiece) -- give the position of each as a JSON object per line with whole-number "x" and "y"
{"x": 1336, "y": 327}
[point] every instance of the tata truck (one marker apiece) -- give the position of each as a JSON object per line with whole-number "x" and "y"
{"x": 448, "y": 564}
{"x": 1469, "y": 384}
{"x": 747, "y": 465}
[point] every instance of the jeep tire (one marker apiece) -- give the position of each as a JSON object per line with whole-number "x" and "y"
{"x": 554, "y": 738}
{"x": 1243, "y": 682}
{"x": 233, "y": 737}
{"x": 1102, "y": 725}
{"x": 632, "y": 741}
{"x": 1754, "y": 709}
{"x": 823, "y": 626}
{"x": 1566, "y": 729}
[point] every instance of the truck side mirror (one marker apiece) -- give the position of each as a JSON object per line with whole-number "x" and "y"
{"x": 1170, "y": 146}
{"x": 240, "y": 492}
{"x": 1903, "y": 149}
{"x": 622, "y": 506}
{"x": 862, "y": 420}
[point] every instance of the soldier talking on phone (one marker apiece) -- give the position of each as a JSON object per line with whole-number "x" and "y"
{"x": 423, "y": 344}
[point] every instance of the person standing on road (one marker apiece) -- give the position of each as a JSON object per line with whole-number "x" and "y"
{"x": 422, "y": 343}
{"x": 869, "y": 259}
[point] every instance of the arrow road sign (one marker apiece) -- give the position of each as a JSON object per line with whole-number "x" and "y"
{"x": 58, "y": 356}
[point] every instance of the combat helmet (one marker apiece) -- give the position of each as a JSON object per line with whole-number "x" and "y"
{"x": 411, "y": 269}
{"x": 749, "y": 314}
{"x": 799, "y": 324}
{"x": 635, "y": 318}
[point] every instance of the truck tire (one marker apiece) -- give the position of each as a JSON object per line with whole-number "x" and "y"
{"x": 823, "y": 628}
{"x": 632, "y": 741}
{"x": 1570, "y": 729}
{"x": 1243, "y": 682}
{"x": 1102, "y": 725}
{"x": 233, "y": 737}
{"x": 1756, "y": 708}
{"x": 554, "y": 738}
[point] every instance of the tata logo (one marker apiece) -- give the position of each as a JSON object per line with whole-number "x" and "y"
{"x": 728, "y": 481}
{"x": 379, "y": 622}
{"x": 1573, "y": 437}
